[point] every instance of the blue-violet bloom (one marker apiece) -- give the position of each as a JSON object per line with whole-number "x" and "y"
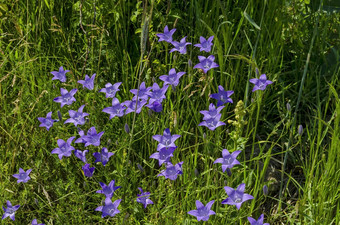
{"x": 131, "y": 106}
{"x": 92, "y": 138}
{"x": 77, "y": 118}
{"x": 228, "y": 160}
{"x": 35, "y": 222}
{"x": 88, "y": 82}
{"x": 47, "y": 122}
{"x": 108, "y": 190}
{"x": 110, "y": 89}
{"x": 212, "y": 123}
{"x": 65, "y": 148}
{"x": 116, "y": 109}
{"x": 143, "y": 92}
{"x": 60, "y": 75}
{"x": 144, "y": 198}
{"x": 180, "y": 46}
{"x": 157, "y": 94}
{"x": 109, "y": 209}
{"x": 236, "y": 197}
{"x": 88, "y": 171}
{"x": 205, "y": 44}
{"x": 167, "y": 35}
{"x": 222, "y": 96}
{"x": 155, "y": 106}
{"x": 172, "y": 171}
{"x": 10, "y": 211}
{"x": 206, "y": 63}
{"x": 66, "y": 97}
{"x": 22, "y": 176}
{"x": 103, "y": 156}
{"x": 163, "y": 155}
{"x": 252, "y": 221}
{"x": 202, "y": 212}
{"x": 260, "y": 84}
{"x": 212, "y": 113}
{"x": 81, "y": 155}
{"x": 166, "y": 140}
{"x": 172, "y": 78}
{"x": 82, "y": 134}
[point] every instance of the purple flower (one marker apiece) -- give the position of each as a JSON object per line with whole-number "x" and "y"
{"x": 163, "y": 155}
{"x": 157, "y": 94}
{"x": 212, "y": 113}
{"x": 228, "y": 160}
{"x": 167, "y": 35}
{"x": 172, "y": 78}
{"x": 60, "y": 75}
{"x": 10, "y": 211}
{"x": 202, "y": 212}
{"x": 155, "y": 106}
{"x": 131, "y": 106}
{"x": 110, "y": 89}
{"x": 109, "y": 209}
{"x": 205, "y": 44}
{"x": 166, "y": 140}
{"x": 103, "y": 156}
{"x": 116, "y": 109}
{"x": 180, "y": 46}
{"x": 206, "y": 63}
{"x": 47, "y": 122}
{"x": 252, "y": 221}
{"x": 65, "y": 148}
{"x": 77, "y": 118}
{"x": 144, "y": 198}
{"x": 172, "y": 171}
{"x": 66, "y": 97}
{"x": 236, "y": 197}
{"x": 22, "y": 176}
{"x": 222, "y": 96}
{"x": 88, "y": 82}
{"x": 82, "y": 134}
{"x": 260, "y": 84}
{"x": 35, "y": 222}
{"x": 143, "y": 92}
{"x": 88, "y": 171}
{"x": 212, "y": 123}
{"x": 81, "y": 155}
{"x": 108, "y": 190}
{"x": 92, "y": 138}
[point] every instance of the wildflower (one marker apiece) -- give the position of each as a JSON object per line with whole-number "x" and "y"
{"x": 144, "y": 198}
{"x": 116, "y": 109}
{"x": 10, "y": 211}
{"x": 60, "y": 75}
{"x": 260, "y": 84}
{"x": 65, "y": 148}
{"x": 167, "y": 35}
{"x": 157, "y": 94}
{"x": 131, "y": 106}
{"x": 81, "y": 155}
{"x": 166, "y": 140}
{"x": 163, "y": 155}
{"x": 252, "y": 221}
{"x": 228, "y": 160}
{"x": 127, "y": 128}
{"x": 109, "y": 209}
{"x": 92, "y": 138}
{"x": 172, "y": 78}
{"x": 66, "y": 97}
{"x": 22, "y": 176}
{"x": 205, "y": 44}
{"x": 88, "y": 82}
{"x": 82, "y": 134}
{"x": 212, "y": 123}
{"x": 77, "y": 118}
{"x": 236, "y": 197}
{"x": 155, "y": 106}
{"x": 202, "y": 212}
{"x": 212, "y": 113}
{"x": 206, "y": 63}
{"x": 47, "y": 122}
{"x": 108, "y": 190}
{"x": 88, "y": 171}
{"x": 110, "y": 89}
{"x": 103, "y": 156}
{"x": 172, "y": 171}
{"x": 143, "y": 92}
{"x": 300, "y": 129}
{"x": 180, "y": 46}
{"x": 35, "y": 222}
{"x": 222, "y": 96}
{"x": 265, "y": 190}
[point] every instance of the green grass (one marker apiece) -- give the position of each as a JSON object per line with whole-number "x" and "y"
{"x": 294, "y": 43}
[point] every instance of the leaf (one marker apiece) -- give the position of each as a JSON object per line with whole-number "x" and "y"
{"x": 251, "y": 20}
{"x": 48, "y": 5}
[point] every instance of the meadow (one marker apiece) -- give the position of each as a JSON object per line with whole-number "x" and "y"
{"x": 285, "y": 135}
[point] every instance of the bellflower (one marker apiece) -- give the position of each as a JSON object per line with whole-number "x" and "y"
{"x": 144, "y": 198}
{"x": 163, "y": 155}
{"x": 172, "y": 171}
{"x": 47, "y": 122}
{"x": 167, "y": 35}
{"x": 110, "y": 89}
{"x": 222, "y": 96}
{"x": 116, "y": 109}
{"x": 88, "y": 82}
{"x": 81, "y": 155}
{"x": 212, "y": 123}
{"x": 202, "y": 212}
{"x": 228, "y": 160}
{"x": 92, "y": 138}
{"x": 252, "y": 221}
{"x": 236, "y": 197}
{"x": 157, "y": 94}
{"x": 108, "y": 190}
{"x": 131, "y": 106}
{"x": 166, "y": 140}
{"x": 180, "y": 46}
{"x": 109, "y": 209}
{"x": 23, "y": 176}
{"x": 206, "y": 63}
{"x": 66, "y": 97}
{"x": 155, "y": 106}
{"x": 65, "y": 148}
{"x": 103, "y": 156}
{"x": 143, "y": 92}
{"x": 77, "y": 118}
{"x": 212, "y": 113}
{"x": 60, "y": 75}
{"x": 205, "y": 44}
{"x": 172, "y": 78}
{"x": 10, "y": 211}
{"x": 35, "y": 222}
{"x": 260, "y": 84}
{"x": 82, "y": 134}
{"x": 88, "y": 171}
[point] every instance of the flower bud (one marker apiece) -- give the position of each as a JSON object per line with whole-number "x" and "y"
{"x": 60, "y": 116}
{"x": 127, "y": 128}
{"x": 288, "y": 107}
{"x": 300, "y": 129}
{"x": 265, "y": 190}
